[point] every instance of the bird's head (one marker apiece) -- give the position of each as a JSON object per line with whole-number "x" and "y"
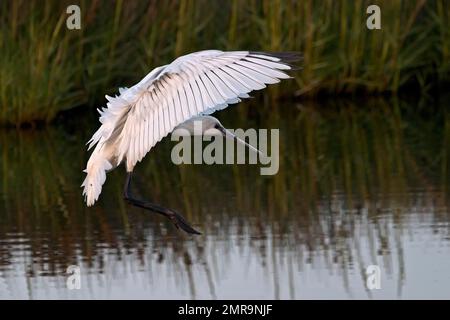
{"x": 208, "y": 126}
{"x": 198, "y": 126}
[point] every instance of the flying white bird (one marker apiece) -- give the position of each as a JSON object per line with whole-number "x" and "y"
{"x": 190, "y": 88}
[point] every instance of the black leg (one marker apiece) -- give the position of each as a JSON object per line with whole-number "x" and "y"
{"x": 175, "y": 217}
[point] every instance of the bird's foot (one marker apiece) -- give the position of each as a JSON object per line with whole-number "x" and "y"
{"x": 181, "y": 223}
{"x": 175, "y": 217}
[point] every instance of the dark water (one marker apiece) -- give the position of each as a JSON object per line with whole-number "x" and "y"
{"x": 360, "y": 183}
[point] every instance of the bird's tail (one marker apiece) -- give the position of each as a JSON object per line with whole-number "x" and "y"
{"x": 96, "y": 175}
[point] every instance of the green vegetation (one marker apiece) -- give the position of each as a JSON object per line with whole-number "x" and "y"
{"x": 46, "y": 68}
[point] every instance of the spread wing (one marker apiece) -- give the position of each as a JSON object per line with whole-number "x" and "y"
{"x": 197, "y": 83}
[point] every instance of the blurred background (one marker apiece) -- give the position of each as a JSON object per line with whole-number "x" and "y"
{"x": 46, "y": 68}
{"x": 364, "y": 154}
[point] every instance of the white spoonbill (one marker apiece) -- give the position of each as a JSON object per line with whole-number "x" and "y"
{"x": 190, "y": 88}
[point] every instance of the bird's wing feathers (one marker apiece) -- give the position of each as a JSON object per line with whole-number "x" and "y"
{"x": 197, "y": 83}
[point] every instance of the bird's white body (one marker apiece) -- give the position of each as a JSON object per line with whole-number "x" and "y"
{"x": 196, "y": 84}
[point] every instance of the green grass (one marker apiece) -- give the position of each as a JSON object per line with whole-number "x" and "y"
{"x": 46, "y": 68}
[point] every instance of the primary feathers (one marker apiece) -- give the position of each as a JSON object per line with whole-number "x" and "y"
{"x": 195, "y": 84}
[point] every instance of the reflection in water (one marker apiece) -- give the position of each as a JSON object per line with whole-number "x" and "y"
{"x": 357, "y": 185}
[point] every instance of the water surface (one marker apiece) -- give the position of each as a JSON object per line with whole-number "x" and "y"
{"x": 360, "y": 183}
